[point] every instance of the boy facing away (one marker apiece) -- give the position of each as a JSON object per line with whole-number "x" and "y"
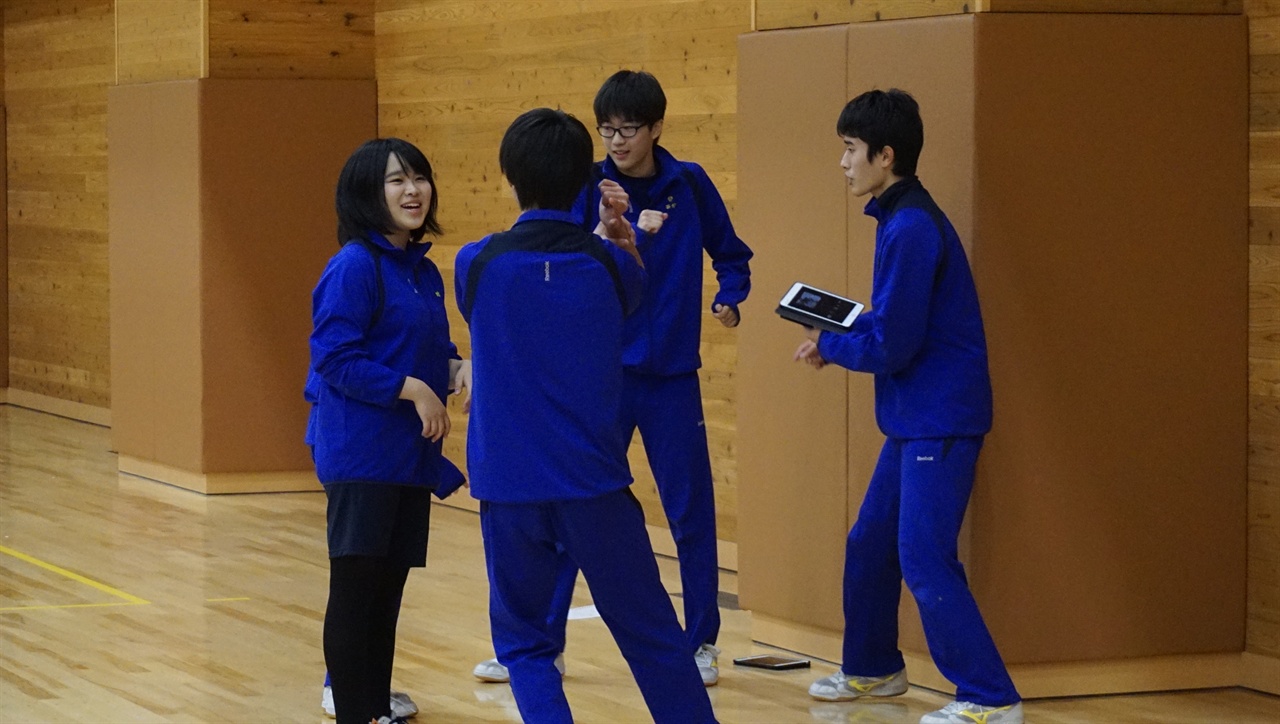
{"x": 546, "y": 302}
{"x": 924, "y": 342}
{"x": 677, "y": 214}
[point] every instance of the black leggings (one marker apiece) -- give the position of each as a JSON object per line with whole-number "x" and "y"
{"x": 360, "y": 634}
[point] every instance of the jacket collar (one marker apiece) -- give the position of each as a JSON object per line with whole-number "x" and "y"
{"x": 567, "y": 217}
{"x": 667, "y": 167}
{"x": 883, "y": 207}
{"x": 412, "y": 253}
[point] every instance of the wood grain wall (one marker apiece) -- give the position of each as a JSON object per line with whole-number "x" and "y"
{"x": 1263, "y": 633}
{"x": 772, "y": 14}
{"x": 321, "y": 39}
{"x": 162, "y": 40}
{"x": 4, "y": 237}
{"x": 452, "y": 74}
{"x": 59, "y": 59}
{"x": 61, "y": 56}
{"x": 159, "y": 40}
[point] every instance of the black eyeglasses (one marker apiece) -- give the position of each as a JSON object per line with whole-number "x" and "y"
{"x": 624, "y": 131}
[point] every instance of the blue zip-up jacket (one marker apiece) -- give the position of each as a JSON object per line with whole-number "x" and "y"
{"x": 360, "y": 429}
{"x": 546, "y": 302}
{"x": 923, "y": 338}
{"x": 662, "y": 337}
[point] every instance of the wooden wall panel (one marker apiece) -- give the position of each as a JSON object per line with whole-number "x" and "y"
{"x": 453, "y": 74}
{"x": 1197, "y": 7}
{"x": 59, "y": 60}
{"x": 4, "y": 235}
{"x": 158, "y": 40}
{"x": 331, "y": 39}
{"x": 1263, "y": 610}
{"x": 773, "y": 14}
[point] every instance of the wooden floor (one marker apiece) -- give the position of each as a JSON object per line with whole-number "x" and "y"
{"x": 125, "y": 600}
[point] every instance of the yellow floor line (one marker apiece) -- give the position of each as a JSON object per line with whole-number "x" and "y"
{"x": 73, "y": 576}
{"x": 75, "y": 605}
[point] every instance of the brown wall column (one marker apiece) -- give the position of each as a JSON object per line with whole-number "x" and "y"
{"x": 1105, "y": 526}
{"x": 214, "y": 256}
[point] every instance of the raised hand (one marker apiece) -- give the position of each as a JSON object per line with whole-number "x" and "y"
{"x": 650, "y": 221}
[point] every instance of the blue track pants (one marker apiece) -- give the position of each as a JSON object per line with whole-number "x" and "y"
{"x": 907, "y": 530}
{"x": 668, "y": 413}
{"x": 605, "y": 536}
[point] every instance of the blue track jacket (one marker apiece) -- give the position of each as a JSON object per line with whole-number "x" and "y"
{"x": 546, "y": 302}
{"x": 923, "y": 338}
{"x": 360, "y": 430}
{"x": 662, "y": 337}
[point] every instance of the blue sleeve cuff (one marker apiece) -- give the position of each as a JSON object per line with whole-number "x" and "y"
{"x": 451, "y": 478}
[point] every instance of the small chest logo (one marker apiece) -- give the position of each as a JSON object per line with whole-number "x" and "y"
{"x": 546, "y": 272}
{"x": 671, "y": 203}
{"x": 924, "y": 458}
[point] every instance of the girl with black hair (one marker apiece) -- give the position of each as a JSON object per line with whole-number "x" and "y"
{"x": 382, "y": 365}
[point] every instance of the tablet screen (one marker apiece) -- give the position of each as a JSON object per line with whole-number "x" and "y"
{"x": 822, "y": 304}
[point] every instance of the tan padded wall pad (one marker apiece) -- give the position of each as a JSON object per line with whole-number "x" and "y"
{"x": 154, "y": 260}
{"x": 1096, "y": 167}
{"x": 792, "y": 422}
{"x": 271, "y": 152}
{"x": 1111, "y": 256}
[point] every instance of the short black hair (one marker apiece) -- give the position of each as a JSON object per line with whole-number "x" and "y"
{"x": 361, "y": 197}
{"x": 546, "y": 154}
{"x": 886, "y": 118}
{"x": 632, "y": 95}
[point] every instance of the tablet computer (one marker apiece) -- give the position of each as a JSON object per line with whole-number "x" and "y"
{"x": 770, "y": 661}
{"x": 813, "y": 307}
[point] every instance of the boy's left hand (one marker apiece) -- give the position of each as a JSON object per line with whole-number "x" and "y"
{"x": 725, "y": 314}
{"x": 650, "y": 221}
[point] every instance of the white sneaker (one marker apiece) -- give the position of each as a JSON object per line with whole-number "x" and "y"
{"x": 326, "y": 702}
{"x": 842, "y": 687}
{"x": 964, "y": 712}
{"x": 401, "y": 705}
{"x": 492, "y": 672}
{"x": 708, "y": 664}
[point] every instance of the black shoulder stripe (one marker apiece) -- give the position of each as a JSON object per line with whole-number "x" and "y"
{"x": 574, "y": 242}
{"x": 692, "y": 180}
{"x": 597, "y": 251}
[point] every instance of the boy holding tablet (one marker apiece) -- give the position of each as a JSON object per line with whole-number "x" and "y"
{"x": 924, "y": 342}
{"x": 546, "y": 302}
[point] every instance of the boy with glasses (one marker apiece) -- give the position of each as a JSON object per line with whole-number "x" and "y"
{"x": 677, "y": 214}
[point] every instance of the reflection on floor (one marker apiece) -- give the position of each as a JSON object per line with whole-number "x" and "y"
{"x": 123, "y": 599}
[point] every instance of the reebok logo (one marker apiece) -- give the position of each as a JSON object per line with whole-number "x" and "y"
{"x": 924, "y": 458}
